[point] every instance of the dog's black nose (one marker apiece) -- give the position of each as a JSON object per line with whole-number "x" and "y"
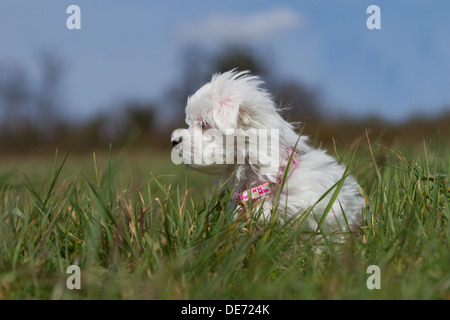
{"x": 177, "y": 141}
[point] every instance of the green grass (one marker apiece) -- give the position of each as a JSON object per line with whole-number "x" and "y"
{"x": 140, "y": 227}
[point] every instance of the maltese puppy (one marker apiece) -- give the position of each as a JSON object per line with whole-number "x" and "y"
{"x": 235, "y": 130}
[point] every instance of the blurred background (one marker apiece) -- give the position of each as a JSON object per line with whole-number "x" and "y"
{"x": 124, "y": 77}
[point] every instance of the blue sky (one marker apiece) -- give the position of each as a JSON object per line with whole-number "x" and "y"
{"x": 132, "y": 49}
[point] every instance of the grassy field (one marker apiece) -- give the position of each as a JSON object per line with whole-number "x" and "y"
{"x": 140, "y": 227}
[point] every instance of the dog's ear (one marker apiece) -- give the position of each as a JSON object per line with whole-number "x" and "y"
{"x": 226, "y": 115}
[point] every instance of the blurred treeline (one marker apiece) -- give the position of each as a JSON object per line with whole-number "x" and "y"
{"x": 32, "y": 120}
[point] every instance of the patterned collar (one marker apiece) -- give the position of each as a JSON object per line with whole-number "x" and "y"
{"x": 293, "y": 160}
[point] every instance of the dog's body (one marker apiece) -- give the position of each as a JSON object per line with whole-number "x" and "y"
{"x": 233, "y": 103}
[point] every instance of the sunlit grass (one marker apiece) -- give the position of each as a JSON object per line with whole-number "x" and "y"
{"x": 140, "y": 227}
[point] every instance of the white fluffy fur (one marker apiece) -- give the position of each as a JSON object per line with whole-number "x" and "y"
{"x": 234, "y": 101}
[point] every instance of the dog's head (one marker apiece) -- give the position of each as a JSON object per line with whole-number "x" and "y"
{"x": 230, "y": 119}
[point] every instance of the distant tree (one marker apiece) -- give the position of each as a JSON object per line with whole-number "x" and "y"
{"x": 27, "y": 105}
{"x": 240, "y": 58}
{"x": 48, "y": 99}
{"x": 302, "y": 103}
{"x": 15, "y": 94}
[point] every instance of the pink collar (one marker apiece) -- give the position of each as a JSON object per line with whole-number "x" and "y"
{"x": 267, "y": 187}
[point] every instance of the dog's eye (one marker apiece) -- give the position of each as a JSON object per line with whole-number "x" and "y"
{"x": 204, "y": 125}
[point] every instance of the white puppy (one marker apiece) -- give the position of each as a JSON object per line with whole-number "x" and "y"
{"x": 231, "y": 121}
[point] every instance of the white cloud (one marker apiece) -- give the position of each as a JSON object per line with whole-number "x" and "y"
{"x": 261, "y": 26}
